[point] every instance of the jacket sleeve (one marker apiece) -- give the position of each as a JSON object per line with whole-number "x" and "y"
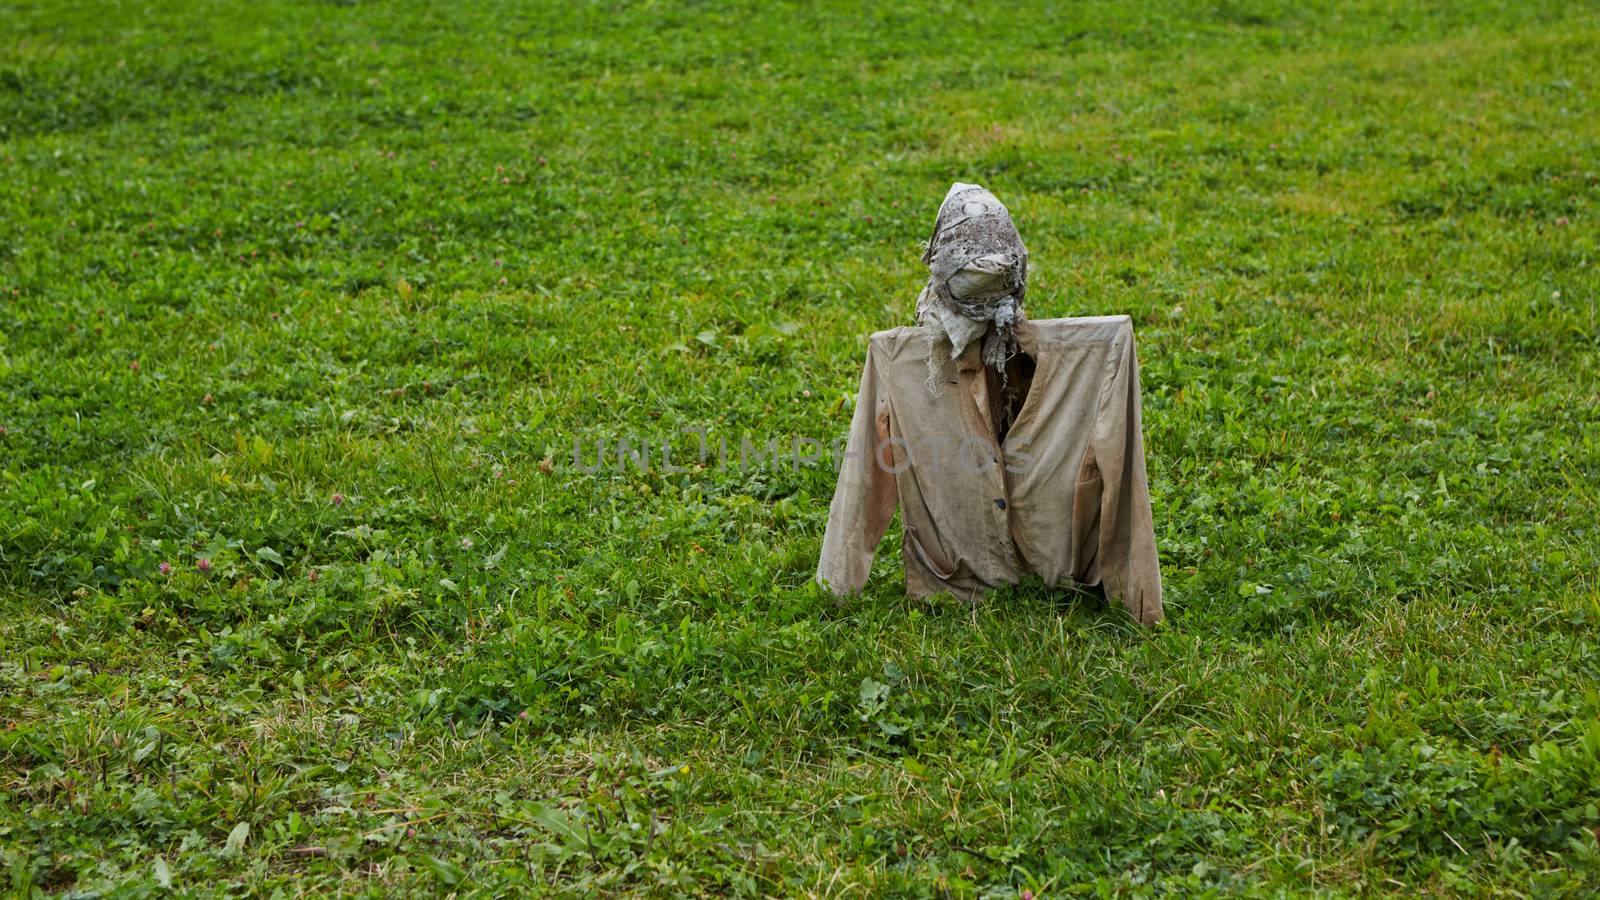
{"x": 1127, "y": 552}
{"x": 865, "y": 498}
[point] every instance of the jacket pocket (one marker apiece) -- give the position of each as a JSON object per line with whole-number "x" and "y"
{"x": 943, "y": 570}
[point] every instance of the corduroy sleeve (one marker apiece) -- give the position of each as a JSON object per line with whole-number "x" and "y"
{"x": 1128, "y": 564}
{"x": 865, "y": 498}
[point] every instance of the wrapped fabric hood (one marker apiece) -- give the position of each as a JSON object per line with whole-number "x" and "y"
{"x": 977, "y": 274}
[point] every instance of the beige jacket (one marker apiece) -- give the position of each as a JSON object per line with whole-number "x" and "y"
{"x": 1063, "y": 497}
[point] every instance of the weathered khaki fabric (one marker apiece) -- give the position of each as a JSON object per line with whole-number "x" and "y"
{"x": 1064, "y": 496}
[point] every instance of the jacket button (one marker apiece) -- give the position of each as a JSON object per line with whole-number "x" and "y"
{"x": 1000, "y": 503}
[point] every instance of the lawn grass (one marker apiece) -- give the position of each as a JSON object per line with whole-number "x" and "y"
{"x": 324, "y": 294}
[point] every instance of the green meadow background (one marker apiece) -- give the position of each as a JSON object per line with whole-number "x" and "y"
{"x": 310, "y": 301}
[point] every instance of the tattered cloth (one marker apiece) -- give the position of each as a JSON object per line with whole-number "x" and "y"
{"x": 977, "y": 275}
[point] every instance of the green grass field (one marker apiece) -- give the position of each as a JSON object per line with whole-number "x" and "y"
{"x": 323, "y": 294}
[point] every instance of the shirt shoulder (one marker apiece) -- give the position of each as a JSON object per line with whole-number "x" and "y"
{"x": 1081, "y": 329}
{"x": 891, "y": 341}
